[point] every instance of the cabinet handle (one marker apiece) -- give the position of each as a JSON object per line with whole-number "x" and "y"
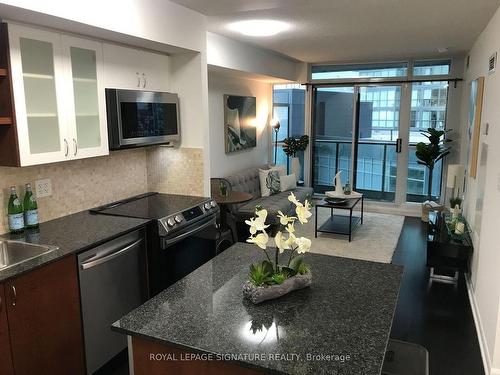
{"x": 1, "y": 304}
{"x": 144, "y": 80}
{"x": 76, "y": 146}
{"x": 14, "y": 295}
{"x": 138, "y": 80}
{"x": 67, "y": 147}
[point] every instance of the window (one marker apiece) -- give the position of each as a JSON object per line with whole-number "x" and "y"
{"x": 359, "y": 71}
{"x": 428, "y": 110}
{"x": 379, "y": 109}
{"x": 288, "y": 109}
{"x": 431, "y": 67}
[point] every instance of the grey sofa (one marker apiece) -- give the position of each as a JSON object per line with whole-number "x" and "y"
{"x": 248, "y": 181}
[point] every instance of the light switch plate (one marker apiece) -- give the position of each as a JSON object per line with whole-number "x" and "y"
{"x": 498, "y": 182}
{"x": 43, "y": 188}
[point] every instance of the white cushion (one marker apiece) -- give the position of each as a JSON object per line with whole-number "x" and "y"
{"x": 288, "y": 182}
{"x": 280, "y": 168}
{"x": 264, "y": 188}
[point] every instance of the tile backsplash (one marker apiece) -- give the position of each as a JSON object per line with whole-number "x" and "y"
{"x": 175, "y": 171}
{"x": 83, "y": 184}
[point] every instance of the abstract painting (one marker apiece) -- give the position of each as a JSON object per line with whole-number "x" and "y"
{"x": 474, "y": 126}
{"x": 239, "y": 123}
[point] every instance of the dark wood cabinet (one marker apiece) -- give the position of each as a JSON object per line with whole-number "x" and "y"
{"x": 5, "y": 352}
{"x": 43, "y": 309}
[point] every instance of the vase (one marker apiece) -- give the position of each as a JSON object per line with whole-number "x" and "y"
{"x": 295, "y": 166}
{"x": 456, "y": 212}
{"x": 258, "y": 294}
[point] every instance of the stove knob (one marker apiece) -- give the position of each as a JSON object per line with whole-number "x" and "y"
{"x": 214, "y": 204}
{"x": 207, "y": 206}
{"x": 178, "y": 219}
{"x": 170, "y": 222}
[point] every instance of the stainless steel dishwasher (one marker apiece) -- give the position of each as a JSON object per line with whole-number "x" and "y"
{"x": 111, "y": 285}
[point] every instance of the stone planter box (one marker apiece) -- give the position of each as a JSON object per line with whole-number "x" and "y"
{"x": 258, "y": 294}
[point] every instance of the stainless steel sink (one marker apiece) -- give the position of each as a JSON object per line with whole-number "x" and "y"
{"x": 15, "y": 252}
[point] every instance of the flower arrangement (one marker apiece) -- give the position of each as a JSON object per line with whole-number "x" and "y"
{"x": 270, "y": 272}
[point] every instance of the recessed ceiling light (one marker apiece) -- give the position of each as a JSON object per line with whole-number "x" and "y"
{"x": 443, "y": 49}
{"x": 259, "y": 27}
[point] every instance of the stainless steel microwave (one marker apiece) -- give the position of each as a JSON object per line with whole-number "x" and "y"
{"x": 141, "y": 118}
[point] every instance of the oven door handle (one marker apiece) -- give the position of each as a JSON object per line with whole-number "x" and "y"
{"x": 171, "y": 241}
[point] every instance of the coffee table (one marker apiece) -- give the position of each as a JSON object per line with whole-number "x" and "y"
{"x": 340, "y": 224}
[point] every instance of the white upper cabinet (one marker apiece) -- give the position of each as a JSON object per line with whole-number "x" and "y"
{"x": 129, "y": 68}
{"x": 59, "y": 103}
{"x": 38, "y": 85}
{"x": 87, "y": 116}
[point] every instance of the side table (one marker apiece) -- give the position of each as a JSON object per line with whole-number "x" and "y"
{"x": 226, "y": 217}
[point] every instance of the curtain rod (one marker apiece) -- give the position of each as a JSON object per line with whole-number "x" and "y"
{"x": 343, "y": 83}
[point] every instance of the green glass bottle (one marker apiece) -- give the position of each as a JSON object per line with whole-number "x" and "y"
{"x": 15, "y": 211}
{"x": 30, "y": 208}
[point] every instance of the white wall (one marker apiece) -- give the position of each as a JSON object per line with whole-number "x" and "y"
{"x": 228, "y": 53}
{"x": 486, "y": 260}
{"x": 219, "y": 84}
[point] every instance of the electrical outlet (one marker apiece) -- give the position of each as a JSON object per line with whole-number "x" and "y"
{"x": 43, "y": 188}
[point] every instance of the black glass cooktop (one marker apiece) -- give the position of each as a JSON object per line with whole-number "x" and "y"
{"x": 151, "y": 206}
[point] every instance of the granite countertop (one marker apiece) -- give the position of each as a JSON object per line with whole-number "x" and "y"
{"x": 346, "y": 313}
{"x": 72, "y": 234}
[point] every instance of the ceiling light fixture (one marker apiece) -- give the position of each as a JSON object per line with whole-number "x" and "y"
{"x": 259, "y": 27}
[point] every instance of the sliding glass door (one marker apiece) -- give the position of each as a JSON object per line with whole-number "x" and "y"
{"x": 356, "y": 131}
{"x": 333, "y": 124}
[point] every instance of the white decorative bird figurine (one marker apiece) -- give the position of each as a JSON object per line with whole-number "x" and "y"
{"x": 337, "y": 181}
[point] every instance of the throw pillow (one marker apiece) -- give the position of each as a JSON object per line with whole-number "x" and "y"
{"x": 269, "y": 182}
{"x": 288, "y": 182}
{"x": 280, "y": 168}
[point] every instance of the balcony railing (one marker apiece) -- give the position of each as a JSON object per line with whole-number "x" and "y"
{"x": 376, "y": 169}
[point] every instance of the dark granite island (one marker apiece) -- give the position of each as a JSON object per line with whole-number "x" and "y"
{"x": 202, "y": 324}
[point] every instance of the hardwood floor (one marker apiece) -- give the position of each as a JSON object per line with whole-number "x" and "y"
{"x": 435, "y": 315}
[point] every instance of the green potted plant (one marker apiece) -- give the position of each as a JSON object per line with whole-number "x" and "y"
{"x": 430, "y": 153}
{"x": 271, "y": 279}
{"x": 291, "y": 147}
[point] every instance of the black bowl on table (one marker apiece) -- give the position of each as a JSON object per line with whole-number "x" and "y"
{"x": 334, "y": 200}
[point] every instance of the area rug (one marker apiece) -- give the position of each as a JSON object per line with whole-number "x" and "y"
{"x": 375, "y": 240}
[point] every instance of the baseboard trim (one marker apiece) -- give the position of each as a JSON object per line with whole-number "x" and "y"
{"x": 485, "y": 355}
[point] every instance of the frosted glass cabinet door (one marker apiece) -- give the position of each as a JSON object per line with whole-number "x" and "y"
{"x": 36, "y": 68}
{"x": 89, "y": 132}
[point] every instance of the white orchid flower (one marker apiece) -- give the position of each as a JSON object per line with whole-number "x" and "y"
{"x": 291, "y": 240}
{"x": 304, "y": 245}
{"x": 261, "y": 215}
{"x": 260, "y": 240}
{"x": 284, "y": 219}
{"x": 303, "y": 212}
{"x": 255, "y": 225}
{"x": 281, "y": 244}
{"x": 290, "y": 228}
{"x": 292, "y": 198}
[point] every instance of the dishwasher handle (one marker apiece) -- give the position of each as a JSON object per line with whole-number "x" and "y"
{"x": 99, "y": 259}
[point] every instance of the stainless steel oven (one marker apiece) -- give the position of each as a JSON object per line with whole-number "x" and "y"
{"x": 182, "y": 234}
{"x": 141, "y": 118}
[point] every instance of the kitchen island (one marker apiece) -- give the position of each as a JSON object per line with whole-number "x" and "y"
{"x": 202, "y": 324}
